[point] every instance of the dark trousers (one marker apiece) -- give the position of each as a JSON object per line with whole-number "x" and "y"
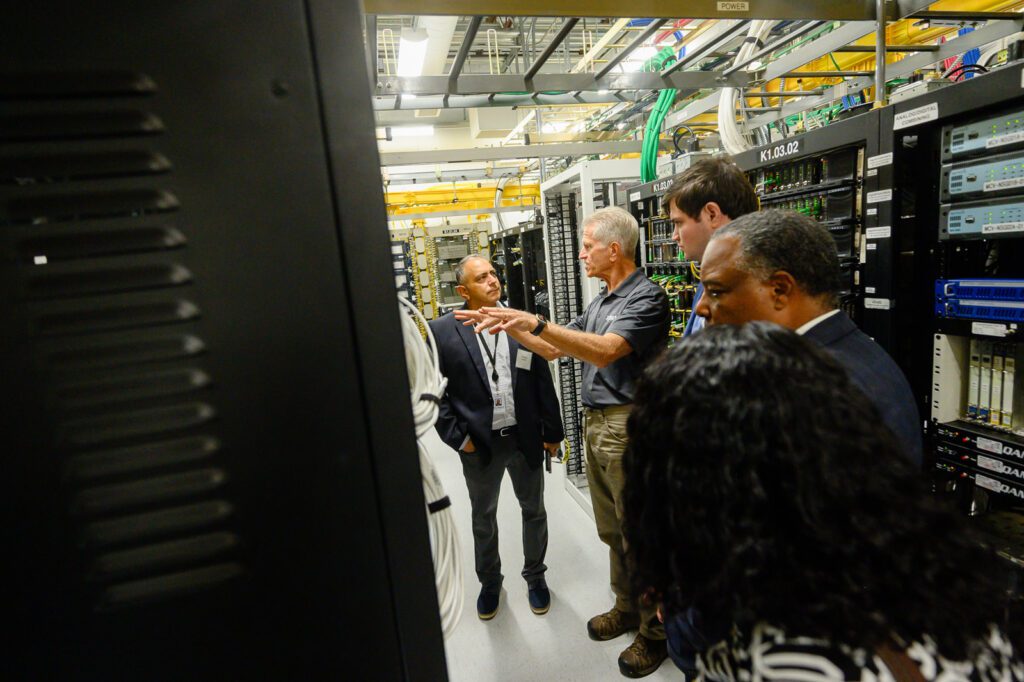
{"x": 484, "y": 484}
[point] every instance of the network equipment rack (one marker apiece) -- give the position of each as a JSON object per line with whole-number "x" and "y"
{"x": 825, "y": 174}
{"x": 566, "y": 306}
{"x": 997, "y": 300}
{"x": 659, "y": 254}
{"x": 211, "y": 465}
{"x": 517, "y": 254}
{"x": 959, "y": 157}
{"x": 403, "y": 268}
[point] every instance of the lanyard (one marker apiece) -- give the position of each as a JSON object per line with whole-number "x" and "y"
{"x": 492, "y": 356}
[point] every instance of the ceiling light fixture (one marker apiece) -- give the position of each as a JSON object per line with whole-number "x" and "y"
{"x": 412, "y": 52}
{"x": 412, "y": 131}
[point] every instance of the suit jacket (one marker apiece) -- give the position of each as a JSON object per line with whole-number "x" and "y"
{"x": 693, "y": 313}
{"x": 876, "y": 374}
{"x": 467, "y": 407}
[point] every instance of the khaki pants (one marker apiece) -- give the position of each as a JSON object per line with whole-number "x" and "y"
{"x": 606, "y": 442}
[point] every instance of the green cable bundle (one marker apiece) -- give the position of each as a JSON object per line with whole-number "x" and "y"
{"x": 652, "y": 132}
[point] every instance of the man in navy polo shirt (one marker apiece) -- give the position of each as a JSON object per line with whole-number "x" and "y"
{"x": 619, "y": 332}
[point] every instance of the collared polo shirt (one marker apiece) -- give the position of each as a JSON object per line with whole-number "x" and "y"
{"x": 638, "y": 311}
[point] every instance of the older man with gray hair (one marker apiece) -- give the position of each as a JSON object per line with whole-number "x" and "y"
{"x": 620, "y": 331}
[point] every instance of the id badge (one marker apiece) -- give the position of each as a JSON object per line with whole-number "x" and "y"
{"x": 523, "y": 359}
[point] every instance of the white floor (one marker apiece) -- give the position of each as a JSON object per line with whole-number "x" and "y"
{"x": 517, "y": 645}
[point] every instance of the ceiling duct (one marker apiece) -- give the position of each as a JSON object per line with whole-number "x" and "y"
{"x": 440, "y": 31}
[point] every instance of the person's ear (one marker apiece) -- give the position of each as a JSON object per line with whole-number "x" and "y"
{"x": 714, "y": 215}
{"x": 462, "y": 291}
{"x": 616, "y": 250}
{"x": 782, "y": 287}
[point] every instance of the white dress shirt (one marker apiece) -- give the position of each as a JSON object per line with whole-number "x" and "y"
{"x": 807, "y": 326}
{"x": 504, "y": 402}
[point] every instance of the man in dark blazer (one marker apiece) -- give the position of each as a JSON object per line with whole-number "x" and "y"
{"x": 782, "y": 267}
{"x": 501, "y": 413}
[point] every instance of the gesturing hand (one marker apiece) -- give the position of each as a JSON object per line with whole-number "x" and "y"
{"x": 477, "y": 319}
{"x": 509, "y": 318}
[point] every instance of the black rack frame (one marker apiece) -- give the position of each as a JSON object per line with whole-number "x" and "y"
{"x": 566, "y": 305}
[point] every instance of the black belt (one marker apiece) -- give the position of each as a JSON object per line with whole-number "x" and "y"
{"x": 506, "y": 432}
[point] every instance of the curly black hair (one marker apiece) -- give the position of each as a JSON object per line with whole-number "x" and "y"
{"x": 761, "y": 486}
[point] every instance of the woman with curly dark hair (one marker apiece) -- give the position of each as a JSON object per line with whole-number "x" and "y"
{"x": 763, "y": 494}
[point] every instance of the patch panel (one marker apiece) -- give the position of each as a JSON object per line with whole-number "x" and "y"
{"x": 980, "y": 289}
{"x": 982, "y": 462}
{"x": 993, "y": 311}
{"x": 989, "y": 177}
{"x": 994, "y": 461}
{"x": 997, "y": 134}
{"x": 986, "y": 219}
{"x": 993, "y": 483}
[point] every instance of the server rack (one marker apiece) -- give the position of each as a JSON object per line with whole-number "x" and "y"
{"x": 210, "y": 463}
{"x": 566, "y": 305}
{"x": 832, "y": 175}
{"x": 569, "y": 198}
{"x": 957, "y": 184}
{"x": 659, "y": 254}
{"x": 518, "y": 256}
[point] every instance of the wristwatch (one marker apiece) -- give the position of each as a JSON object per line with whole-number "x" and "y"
{"x": 541, "y": 323}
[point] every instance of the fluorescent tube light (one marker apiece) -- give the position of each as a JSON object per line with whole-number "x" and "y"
{"x": 412, "y": 51}
{"x": 412, "y": 131}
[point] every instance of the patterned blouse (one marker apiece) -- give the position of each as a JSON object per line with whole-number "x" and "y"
{"x": 768, "y": 654}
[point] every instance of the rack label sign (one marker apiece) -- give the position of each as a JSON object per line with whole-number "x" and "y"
{"x": 989, "y": 445}
{"x": 988, "y": 329}
{"x": 779, "y": 151}
{"x": 997, "y": 486}
{"x": 634, "y": 196}
{"x": 877, "y": 303}
{"x": 990, "y": 464}
{"x": 1009, "y": 138}
{"x": 879, "y": 196}
{"x": 661, "y": 186}
{"x": 999, "y": 467}
{"x": 997, "y": 185}
{"x": 733, "y": 6}
{"x": 908, "y": 119}
{"x": 999, "y": 228}
{"x": 879, "y": 232}
{"x": 880, "y": 160}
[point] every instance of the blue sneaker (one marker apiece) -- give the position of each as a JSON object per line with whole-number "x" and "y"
{"x": 487, "y": 604}
{"x": 540, "y": 599}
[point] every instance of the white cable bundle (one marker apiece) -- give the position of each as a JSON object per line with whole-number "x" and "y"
{"x": 732, "y": 138}
{"x": 427, "y": 387}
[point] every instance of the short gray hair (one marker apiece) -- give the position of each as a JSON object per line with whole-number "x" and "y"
{"x": 773, "y": 240}
{"x": 460, "y": 269}
{"x": 613, "y": 224}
